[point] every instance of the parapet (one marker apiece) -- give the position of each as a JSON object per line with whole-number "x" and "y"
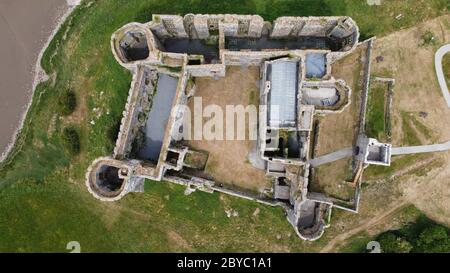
{"x": 214, "y": 36}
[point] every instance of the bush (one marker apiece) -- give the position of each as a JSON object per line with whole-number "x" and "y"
{"x": 428, "y": 38}
{"x": 67, "y": 102}
{"x": 71, "y": 140}
{"x": 423, "y": 236}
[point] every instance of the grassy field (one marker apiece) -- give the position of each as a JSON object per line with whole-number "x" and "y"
{"x": 43, "y": 200}
{"x": 375, "y": 124}
{"x": 398, "y": 162}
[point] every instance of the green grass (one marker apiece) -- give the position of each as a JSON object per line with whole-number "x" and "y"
{"x": 398, "y": 163}
{"x": 357, "y": 243}
{"x": 43, "y": 200}
{"x": 446, "y": 67}
{"x": 375, "y": 123}
{"x": 44, "y": 217}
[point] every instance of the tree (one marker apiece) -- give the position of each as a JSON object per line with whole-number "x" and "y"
{"x": 433, "y": 239}
{"x": 391, "y": 243}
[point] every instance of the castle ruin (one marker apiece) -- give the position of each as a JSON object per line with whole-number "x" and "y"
{"x": 294, "y": 56}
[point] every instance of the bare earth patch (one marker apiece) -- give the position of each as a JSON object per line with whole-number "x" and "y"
{"x": 178, "y": 242}
{"x": 338, "y": 131}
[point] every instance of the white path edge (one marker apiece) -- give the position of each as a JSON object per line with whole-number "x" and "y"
{"x": 440, "y": 71}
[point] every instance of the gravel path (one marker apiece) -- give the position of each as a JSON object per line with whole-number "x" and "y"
{"x": 421, "y": 149}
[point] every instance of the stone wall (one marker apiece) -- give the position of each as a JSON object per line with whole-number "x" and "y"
{"x": 124, "y": 131}
{"x": 166, "y": 26}
{"x": 142, "y": 86}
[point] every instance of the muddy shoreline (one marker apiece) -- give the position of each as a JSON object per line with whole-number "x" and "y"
{"x": 30, "y": 26}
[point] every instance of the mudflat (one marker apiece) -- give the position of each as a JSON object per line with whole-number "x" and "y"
{"x": 25, "y": 26}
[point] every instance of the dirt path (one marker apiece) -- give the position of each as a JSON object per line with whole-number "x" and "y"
{"x": 373, "y": 222}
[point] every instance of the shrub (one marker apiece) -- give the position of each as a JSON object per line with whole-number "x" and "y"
{"x": 67, "y": 102}
{"x": 428, "y": 38}
{"x": 71, "y": 140}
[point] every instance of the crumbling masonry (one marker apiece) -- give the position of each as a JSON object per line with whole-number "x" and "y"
{"x": 295, "y": 55}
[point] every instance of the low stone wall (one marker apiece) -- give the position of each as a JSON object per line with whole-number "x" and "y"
{"x": 366, "y": 85}
{"x": 210, "y": 187}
